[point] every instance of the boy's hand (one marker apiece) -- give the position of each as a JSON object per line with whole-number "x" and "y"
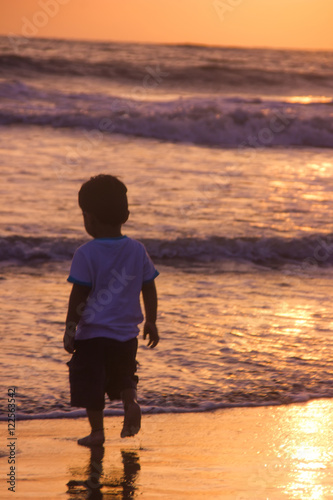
{"x": 69, "y": 341}
{"x": 150, "y": 329}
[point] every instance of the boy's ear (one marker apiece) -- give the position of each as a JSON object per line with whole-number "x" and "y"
{"x": 125, "y": 218}
{"x": 89, "y": 221}
{"x": 87, "y": 216}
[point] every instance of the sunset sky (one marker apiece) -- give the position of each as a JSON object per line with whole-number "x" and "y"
{"x": 256, "y": 23}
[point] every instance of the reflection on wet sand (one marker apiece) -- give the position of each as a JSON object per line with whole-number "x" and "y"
{"x": 120, "y": 483}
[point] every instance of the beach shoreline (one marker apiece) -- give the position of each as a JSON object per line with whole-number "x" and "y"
{"x": 272, "y": 452}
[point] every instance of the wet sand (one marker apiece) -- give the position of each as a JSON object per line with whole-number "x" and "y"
{"x": 275, "y": 453}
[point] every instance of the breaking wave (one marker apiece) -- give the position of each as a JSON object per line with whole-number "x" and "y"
{"x": 310, "y": 250}
{"x": 212, "y": 121}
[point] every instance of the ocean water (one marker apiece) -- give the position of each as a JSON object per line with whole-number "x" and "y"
{"x": 227, "y": 155}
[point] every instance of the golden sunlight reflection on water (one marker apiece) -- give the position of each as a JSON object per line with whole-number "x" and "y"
{"x": 308, "y": 449}
{"x": 309, "y": 99}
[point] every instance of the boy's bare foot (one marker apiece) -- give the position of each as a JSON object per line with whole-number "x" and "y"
{"x": 95, "y": 438}
{"x": 132, "y": 421}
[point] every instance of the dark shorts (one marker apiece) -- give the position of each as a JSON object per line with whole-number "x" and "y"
{"x": 101, "y": 366}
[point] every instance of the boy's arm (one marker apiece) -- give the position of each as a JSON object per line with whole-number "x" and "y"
{"x": 76, "y": 305}
{"x": 149, "y": 295}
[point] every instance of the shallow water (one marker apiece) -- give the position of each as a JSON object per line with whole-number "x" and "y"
{"x": 242, "y": 321}
{"x": 241, "y": 235}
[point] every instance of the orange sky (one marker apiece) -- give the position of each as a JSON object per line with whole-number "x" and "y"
{"x": 257, "y": 23}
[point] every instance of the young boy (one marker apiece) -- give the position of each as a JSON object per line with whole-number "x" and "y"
{"x": 108, "y": 273}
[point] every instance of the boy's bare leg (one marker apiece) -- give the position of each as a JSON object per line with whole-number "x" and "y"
{"x": 96, "y": 437}
{"x": 132, "y": 420}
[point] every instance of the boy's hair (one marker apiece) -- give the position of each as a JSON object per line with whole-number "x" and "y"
{"x": 104, "y": 196}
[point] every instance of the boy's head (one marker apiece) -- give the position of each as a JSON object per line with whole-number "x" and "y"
{"x": 104, "y": 197}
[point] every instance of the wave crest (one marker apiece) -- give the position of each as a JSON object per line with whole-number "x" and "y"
{"x": 222, "y": 72}
{"x": 215, "y": 121}
{"x": 310, "y": 250}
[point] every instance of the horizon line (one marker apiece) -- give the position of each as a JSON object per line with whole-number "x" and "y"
{"x": 174, "y": 44}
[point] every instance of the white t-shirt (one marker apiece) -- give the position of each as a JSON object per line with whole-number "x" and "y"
{"x": 116, "y": 269}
